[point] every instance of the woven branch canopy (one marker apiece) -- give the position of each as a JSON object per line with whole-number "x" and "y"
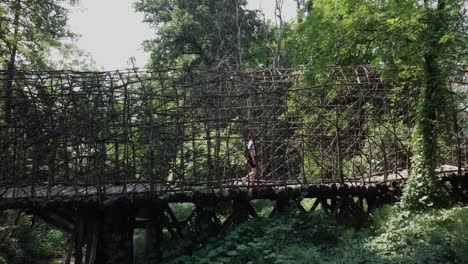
{"x": 93, "y": 128}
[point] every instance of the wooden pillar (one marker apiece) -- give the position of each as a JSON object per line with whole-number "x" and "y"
{"x": 322, "y": 192}
{"x": 371, "y": 198}
{"x": 92, "y": 237}
{"x": 344, "y": 203}
{"x": 282, "y": 203}
{"x": 333, "y": 195}
{"x": 79, "y": 239}
{"x": 206, "y": 223}
{"x": 115, "y": 243}
{"x": 154, "y": 232}
{"x": 241, "y": 209}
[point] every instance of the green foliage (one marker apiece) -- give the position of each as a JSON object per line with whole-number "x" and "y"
{"x": 139, "y": 245}
{"x": 32, "y": 28}
{"x": 395, "y": 236}
{"x": 394, "y": 34}
{"x": 9, "y": 244}
{"x": 21, "y": 244}
{"x": 49, "y": 241}
{"x": 415, "y": 44}
{"x": 422, "y": 191}
{"x": 258, "y": 241}
{"x": 200, "y": 33}
{"x": 182, "y": 210}
{"x": 68, "y": 56}
{"x": 437, "y": 236}
{"x": 263, "y": 207}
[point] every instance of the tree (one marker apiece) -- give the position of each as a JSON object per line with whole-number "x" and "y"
{"x": 444, "y": 36}
{"x": 29, "y": 31}
{"x": 67, "y": 56}
{"x": 415, "y": 43}
{"x": 28, "y": 28}
{"x": 200, "y": 33}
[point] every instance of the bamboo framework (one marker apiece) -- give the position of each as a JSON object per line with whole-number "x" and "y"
{"x": 172, "y": 126}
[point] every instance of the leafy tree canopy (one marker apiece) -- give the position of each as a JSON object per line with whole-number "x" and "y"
{"x": 201, "y": 32}
{"x": 28, "y": 28}
{"x": 396, "y": 34}
{"x": 418, "y": 42}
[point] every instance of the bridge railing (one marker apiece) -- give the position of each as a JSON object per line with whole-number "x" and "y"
{"x": 174, "y": 126}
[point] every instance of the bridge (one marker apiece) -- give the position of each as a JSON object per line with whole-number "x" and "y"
{"x": 98, "y": 154}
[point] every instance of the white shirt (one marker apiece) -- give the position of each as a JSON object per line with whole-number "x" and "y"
{"x": 251, "y": 147}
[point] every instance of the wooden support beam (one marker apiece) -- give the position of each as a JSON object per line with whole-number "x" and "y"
{"x": 93, "y": 257}
{"x": 206, "y": 223}
{"x": 79, "y": 240}
{"x": 283, "y": 203}
{"x": 241, "y": 209}
{"x": 114, "y": 242}
{"x": 55, "y": 221}
{"x": 154, "y": 233}
{"x": 371, "y": 199}
{"x": 173, "y": 223}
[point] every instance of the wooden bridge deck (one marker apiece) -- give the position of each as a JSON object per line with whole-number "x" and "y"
{"x": 44, "y": 191}
{"x": 43, "y": 195}
{"x": 63, "y": 190}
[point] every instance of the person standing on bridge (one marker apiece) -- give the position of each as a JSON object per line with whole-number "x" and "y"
{"x": 251, "y": 153}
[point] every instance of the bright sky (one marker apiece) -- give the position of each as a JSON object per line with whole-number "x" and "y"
{"x": 268, "y": 7}
{"x": 113, "y": 35}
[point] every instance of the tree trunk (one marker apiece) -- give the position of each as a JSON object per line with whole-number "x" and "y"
{"x": 12, "y": 63}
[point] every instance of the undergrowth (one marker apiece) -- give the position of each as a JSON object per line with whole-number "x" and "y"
{"x": 393, "y": 236}
{"x": 19, "y": 243}
{"x": 438, "y": 236}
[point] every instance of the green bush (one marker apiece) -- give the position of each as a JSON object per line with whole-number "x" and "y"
{"x": 49, "y": 241}
{"x": 283, "y": 239}
{"x": 21, "y": 244}
{"x": 438, "y": 236}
